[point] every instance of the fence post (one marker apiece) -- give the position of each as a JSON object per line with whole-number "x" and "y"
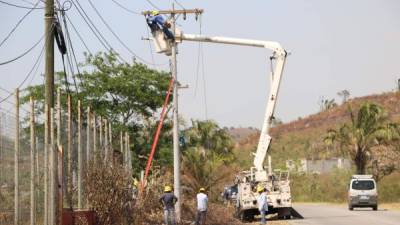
{"x": 69, "y": 148}
{"x": 110, "y": 145}
{"x": 46, "y": 163}
{"x": 121, "y": 143}
{"x": 88, "y": 122}
{"x": 94, "y": 135}
{"x": 79, "y": 157}
{"x": 53, "y": 172}
{"x": 101, "y": 134}
{"x": 106, "y": 141}
{"x": 16, "y": 160}
{"x": 33, "y": 167}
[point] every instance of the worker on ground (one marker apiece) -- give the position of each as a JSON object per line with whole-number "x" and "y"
{"x": 262, "y": 203}
{"x": 202, "y": 206}
{"x": 158, "y": 22}
{"x": 168, "y": 200}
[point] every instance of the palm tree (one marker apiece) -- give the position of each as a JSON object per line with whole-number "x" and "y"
{"x": 368, "y": 129}
{"x": 208, "y": 136}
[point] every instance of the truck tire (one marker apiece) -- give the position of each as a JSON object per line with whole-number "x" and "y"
{"x": 351, "y": 208}
{"x": 375, "y": 207}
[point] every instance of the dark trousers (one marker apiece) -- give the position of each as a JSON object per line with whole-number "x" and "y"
{"x": 201, "y": 217}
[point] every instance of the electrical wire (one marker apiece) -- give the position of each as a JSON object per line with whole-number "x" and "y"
{"x": 176, "y": 1}
{"x": 125, "y": 8}
{"x": 28, "y": 75}
{"x": 152, "y": 4}
{"x": 93, "y": 28}
{"x": 77, "y": 33}
{"x": 117, "y": 37}
{"x": 21, "y": 6}
{"x": 23, "y": 54}
{"x": 18, "y": 23}
{"x": 200, "y": 58}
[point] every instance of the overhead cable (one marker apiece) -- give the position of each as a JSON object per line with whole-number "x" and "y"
{"x": 18, "y": 23}
{"x": 152, "y": 4}
{"x": 117, "y": 37}
{"x": 28, "y": 75}
{"x": 23, "y": 54}
{"x": 94, "y": 29}
{"x": 78, "y": 34}
{"x": 176, "y": 1}
{"x": 125, "y": 8}
{"x": 21, "y": 6}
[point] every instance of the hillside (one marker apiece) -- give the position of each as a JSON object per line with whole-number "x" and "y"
{"x": 303, "y": 138}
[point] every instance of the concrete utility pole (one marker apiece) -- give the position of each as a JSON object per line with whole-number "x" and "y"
{"x": 177, "y": 179}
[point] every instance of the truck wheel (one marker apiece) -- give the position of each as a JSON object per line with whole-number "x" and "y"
{"x": 375, "y": 207}
{"x": 351, "y": 208}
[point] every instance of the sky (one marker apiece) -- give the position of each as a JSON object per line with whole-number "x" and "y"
{"x": 334, "y": 45}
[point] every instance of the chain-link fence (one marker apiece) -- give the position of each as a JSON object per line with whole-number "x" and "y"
{"x": 37, "y": 179}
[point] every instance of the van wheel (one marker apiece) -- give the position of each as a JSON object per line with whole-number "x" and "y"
{"x": 375, "y": 208}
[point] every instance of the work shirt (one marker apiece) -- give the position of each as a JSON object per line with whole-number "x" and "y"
{"x": 202, "y": 202}
{"x": 168, "y": 200}
{"x": 262, "y": 202}
{"x": 156, "y": 20}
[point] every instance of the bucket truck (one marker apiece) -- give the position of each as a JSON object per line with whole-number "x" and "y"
{"x": 277, "y": 183}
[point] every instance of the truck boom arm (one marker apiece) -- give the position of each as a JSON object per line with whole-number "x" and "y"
{"x": 280, "y": 57}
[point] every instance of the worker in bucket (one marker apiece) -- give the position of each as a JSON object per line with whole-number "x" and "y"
{"x": 168, "y": 200}
{"x": 262, "y": 203}
{"x": 202, "y": 206}
{"x": 158, "y": 22}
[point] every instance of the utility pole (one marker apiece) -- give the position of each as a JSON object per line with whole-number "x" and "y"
{"x": 175, "y": 135}
{"x": 49, "y": 44}
{"x": 49, "y": 90}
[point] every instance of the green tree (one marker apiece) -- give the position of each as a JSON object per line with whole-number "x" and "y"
{"x": 208, "y": 136}
{"x": 128, "y": 95}
{"x": 368, "y": 129}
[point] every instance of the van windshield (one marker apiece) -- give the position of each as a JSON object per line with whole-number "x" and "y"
{"x": 363, "y": 185}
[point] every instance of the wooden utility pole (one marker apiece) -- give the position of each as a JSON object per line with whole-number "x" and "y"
{"x": 16, "y": 161}
{"x": 49, "y": 45}
{"x": 49, "y": 88}
{"x": 33, "y": 167}
{"x": 176, "y": 152}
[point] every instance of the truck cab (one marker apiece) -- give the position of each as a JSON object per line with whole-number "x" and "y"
{"x": 362, "y": 192}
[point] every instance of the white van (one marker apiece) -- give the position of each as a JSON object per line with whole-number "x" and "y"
{"x": 363, "y": 192}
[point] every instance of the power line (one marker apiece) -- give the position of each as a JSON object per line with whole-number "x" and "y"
{"x": 152, "y": 4}
{"x": 23, "y": 54}
{"x": 176, "y": 1}
{"x": 116, "y": 36}
{"x": 94, "y": 29}
{"x": 18, "y": 23}
{"x": 77, "y": 33}
{"x": 27, "y": 76}
{"x": 125, "y": 8}
{"x": 21, "y": 6}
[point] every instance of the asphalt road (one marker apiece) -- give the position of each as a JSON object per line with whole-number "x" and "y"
{"x": 324, "y": 214}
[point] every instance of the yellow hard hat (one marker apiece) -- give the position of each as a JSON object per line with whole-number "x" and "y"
{"x": 260, "y": 188}
{"x": 202, "y": 190}
{"x": 154, "y": 12}
{"x": 167, "y": 188}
